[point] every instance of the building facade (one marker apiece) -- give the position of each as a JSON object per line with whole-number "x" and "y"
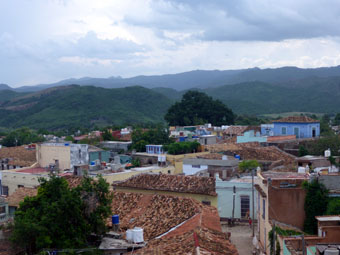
{"x": 300, "y": 126}
{"x": 239, "y": 189}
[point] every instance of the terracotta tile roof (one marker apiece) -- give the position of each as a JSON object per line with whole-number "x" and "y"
{"x": 174, "y": 183}
{"x": 250, "y": 151}
{"x": 158, "y": 214}
{"x": 18, "y": 155}
{"x": 34, "y": 170}
{"x": 297, "y": 119}
{"x": 235, "y": 130}
{"x": 73, "y": 181}
{"x": 19, "y": 195}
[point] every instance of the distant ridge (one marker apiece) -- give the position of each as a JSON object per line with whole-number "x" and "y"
{"x": 198, "y": 78}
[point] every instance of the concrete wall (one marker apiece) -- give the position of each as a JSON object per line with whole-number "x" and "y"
{"x": 224, "y": 190}
{"x": 177, "y": 160}
{"x": 332, "y": 182}
{"x": 101, "y": 155}
{"x": 12, "y": 179}
{"x": 110, "y": 178}
{"x": 48, "y": 153}
{"x": 79, "y": 155}
{"x": 287, "y": 205}
{"x": 250, "y": 136}
{"x": 191, "y": 169}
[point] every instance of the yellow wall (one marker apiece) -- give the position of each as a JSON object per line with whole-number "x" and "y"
{"x": 177, "y": 160}
{"x": 47, "y": 155}
{"x": 125, "y": 175}
{"x": 264, "y": 225}
{"x": 198, "y": 197}
{"x": 12, "y": 179}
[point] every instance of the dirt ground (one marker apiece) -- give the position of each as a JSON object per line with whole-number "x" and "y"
{"x": 241, "y": 237}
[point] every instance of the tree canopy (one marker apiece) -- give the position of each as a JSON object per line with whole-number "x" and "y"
{"x": 21, "y": 136}
{"x": 158, "y": 135}
{"x": 61, "y": 217}
{"x": 197, "y": 108}
{"x": 315, "y": 204}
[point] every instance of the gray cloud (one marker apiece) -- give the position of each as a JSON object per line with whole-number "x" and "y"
{"x": 244, "y": 20}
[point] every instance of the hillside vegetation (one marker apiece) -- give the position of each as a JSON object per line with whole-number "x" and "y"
{"x": 75, "y": 106}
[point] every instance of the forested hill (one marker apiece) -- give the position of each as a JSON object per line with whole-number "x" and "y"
{"x": 76, "y": 106}
{"x": 319, "y": 95}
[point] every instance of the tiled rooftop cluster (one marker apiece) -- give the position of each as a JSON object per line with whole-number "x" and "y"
{"x": 250, "y": 151}
{"x": 19, "y": 156}
{"x": 158, "y": 214}
{"x": 175, "y": 183}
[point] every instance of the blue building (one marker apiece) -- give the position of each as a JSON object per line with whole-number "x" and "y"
{"x": 300, "y": 126}
{"x": 154, "y": 149}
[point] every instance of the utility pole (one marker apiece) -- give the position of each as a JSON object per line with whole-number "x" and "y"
{"x": 234, "y": 194}
{"x": 253, "y": 202}
{"x": 274, "y": 242}
{"x": 303, "y": 245}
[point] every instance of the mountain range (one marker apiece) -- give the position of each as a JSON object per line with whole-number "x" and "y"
{"x": 195, "y": 79}
{"x": 251, "y": 92}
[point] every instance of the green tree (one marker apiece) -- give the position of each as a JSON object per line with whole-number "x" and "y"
{"x": 302, "y": 151}
{"x": 197, "y": 108}
{"x": 247, "y": 165}
{"x": 182, "y": 147}
{"x": 315, "y": 204}
{"x": 21, "y": 136}
{"x": 336, "y": 121}
{"x": 61, "y": 217}
{"x": 333, "y": 207}
{"x": 107, "y": 135}
{"x": 158, "y": 135}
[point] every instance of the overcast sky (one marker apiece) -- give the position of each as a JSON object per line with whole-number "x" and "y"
{"x": 43, "y": 41}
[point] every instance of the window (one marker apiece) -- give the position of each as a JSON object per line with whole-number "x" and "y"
{"x": 245, "y": 206}
{"x": 5, "y": 190}
{"x": 20, "y": 186}
{"x": 196, "y": 166}
{"x": 206, "y": 202}
{"x": 263, "y": 209}
{"x": 284, "y": 131}
{"x": 296, "y": 132}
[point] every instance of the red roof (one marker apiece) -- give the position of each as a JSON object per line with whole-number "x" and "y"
{"x": 36, "y": 170}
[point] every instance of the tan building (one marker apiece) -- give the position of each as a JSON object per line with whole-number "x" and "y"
{"x": 25, "y": 177}
{"x": 64, "y": 155}
{"x": 281, "y": 200}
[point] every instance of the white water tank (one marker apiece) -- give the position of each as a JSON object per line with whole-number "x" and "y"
{"x": 137, "y": 235}
{"x": 129, "y": 235}
{"x": 301, "y": 170}
{"x": 224, "y": 157}
{"x": 327, "y": 153}
{"x": 331, "y": 251}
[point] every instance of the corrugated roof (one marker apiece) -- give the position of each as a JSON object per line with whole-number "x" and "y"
{"x": 297, "y": 119}
{"x": 174, "y": 183}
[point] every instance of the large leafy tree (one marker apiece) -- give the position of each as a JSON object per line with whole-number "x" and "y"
{"x": 197, "y": 108}
{"x": 315, "y": 204}
{"x": 62, "y": 217}
{"x": 158, "y": 135}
